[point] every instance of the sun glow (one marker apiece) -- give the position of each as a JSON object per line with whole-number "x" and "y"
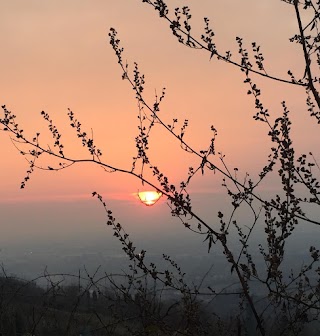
{"x": 149, "y": 197}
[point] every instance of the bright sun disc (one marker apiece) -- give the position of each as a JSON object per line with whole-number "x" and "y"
{"x": 149, "y": 197}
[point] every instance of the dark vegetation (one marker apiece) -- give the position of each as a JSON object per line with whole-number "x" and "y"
{"x": 75, "y": 309}
{"x": 134, "y": 305}
{"x": 27, "y": 309}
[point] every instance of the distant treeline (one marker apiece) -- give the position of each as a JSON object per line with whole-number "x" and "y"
{"x": 77, "y": 310}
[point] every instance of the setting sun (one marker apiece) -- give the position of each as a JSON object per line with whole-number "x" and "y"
{"x": 149, "y": 197}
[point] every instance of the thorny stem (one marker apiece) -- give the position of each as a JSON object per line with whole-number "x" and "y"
{"x": 306, "y": 56}
{"x": 226, "y": 59}
{"x": 193, "y": 151}
{"x": 244, "y": 286}
{"x": 220, "y": 237}
{"x": 223, "y": 240}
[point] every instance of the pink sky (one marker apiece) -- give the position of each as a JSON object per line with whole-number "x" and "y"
{"x": 55, "y": 55}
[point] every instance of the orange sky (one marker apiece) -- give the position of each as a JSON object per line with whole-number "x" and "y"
{"x": 55, "y": 55}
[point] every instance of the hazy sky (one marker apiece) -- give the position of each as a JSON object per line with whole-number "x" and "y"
{"x": 56, "y": 55}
